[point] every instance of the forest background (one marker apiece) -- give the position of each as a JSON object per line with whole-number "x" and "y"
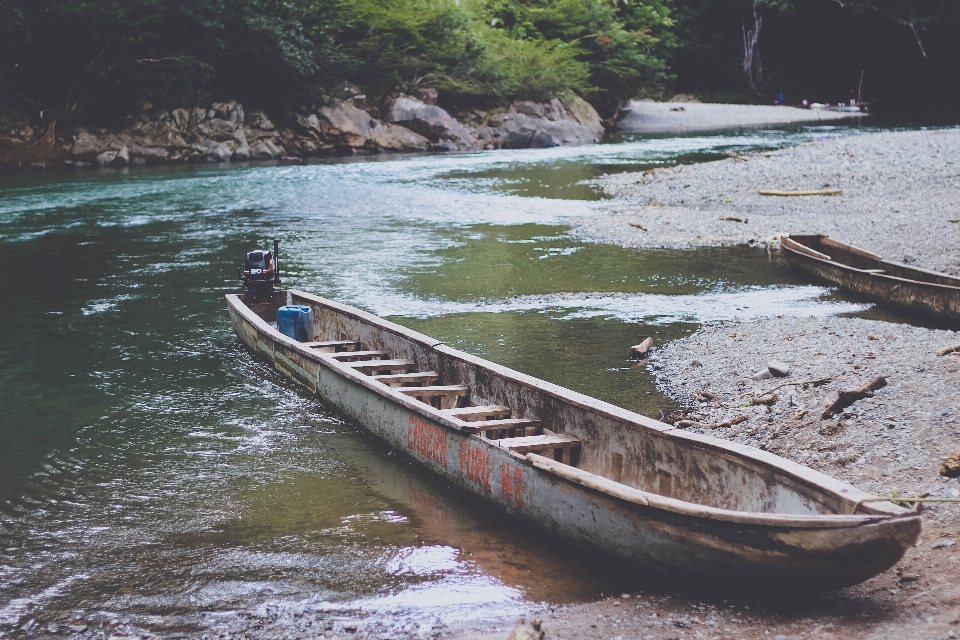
{"x": 97, "y": 60}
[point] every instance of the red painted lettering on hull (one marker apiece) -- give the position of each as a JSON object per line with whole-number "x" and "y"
{"x": 475, "y": 464}
{"x": 427, "y": 439}
{"x": 511, "y": 483}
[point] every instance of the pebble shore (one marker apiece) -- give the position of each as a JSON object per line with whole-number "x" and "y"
{"x": 900, "y": 191}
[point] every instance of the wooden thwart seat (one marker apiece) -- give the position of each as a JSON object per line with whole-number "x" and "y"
{"x": 553, "y": 442}
{"x": 332, "y": 345}
{"x": 423, "y": 377}
{"x": 358, "y": 355}
{"x": 444, "y": 397}
{"x": 381, "y": 365}
{"x": 471, "y": 414}
{"x": 507, "y": 428}
{"x": 431, "y": 392}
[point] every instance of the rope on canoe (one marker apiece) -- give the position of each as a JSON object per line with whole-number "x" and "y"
{"x": 900, "y": 500}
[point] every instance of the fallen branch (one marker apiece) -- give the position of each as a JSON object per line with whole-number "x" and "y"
{"x": 733, "y": 219}
{"x": 951, "y": 349}
{"x": 847, "y": 398}
{"x": 817, "y": 382}
{"x": 765, "y": 401}
{"x": 710, "y": 396}
{"x": 817, "y": 192}
{"x": 953, "y": 219}
{"x": 736, "y": 156}
{"x": 685, "y": 424}
{"x": 637, "y": 225}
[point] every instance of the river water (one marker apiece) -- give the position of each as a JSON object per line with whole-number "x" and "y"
{"x": 153, "y": 475}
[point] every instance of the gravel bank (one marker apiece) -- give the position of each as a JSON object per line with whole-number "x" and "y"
{"x": 894, "y": 441}
{"x": 900, "y": 190}
{"x": 674, "y": 117}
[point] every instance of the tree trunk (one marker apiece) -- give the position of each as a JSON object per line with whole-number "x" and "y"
{"x": 752, "y": 67}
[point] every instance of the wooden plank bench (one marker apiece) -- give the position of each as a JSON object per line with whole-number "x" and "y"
{"x": 331, "y": 346}
{"x": 422, "y": 377}
{"x": 552, "y": 443}
{"x": 371, "y": 366}
{"x": 455, "y": 390}
{"x": 470, "y": 414}
{"x": 494, "y": 429}
{"x": 346, "y": 356}
{"x": 445, "y": 397}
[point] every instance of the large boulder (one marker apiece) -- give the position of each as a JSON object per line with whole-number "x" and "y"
{"x": 213, "y": 151}
{"x": 348, "y": 119}
{"x": 539, "y": 125}
{"x": 554, "y": 134}
{"x": 584, "y": 113}
{"x": 258, "y": 120}
{"x": 114, "y": 157}
{"x": 105, "y": 148}
{"x": 393, "y": 137}
{"x": 266, "y": 149}
{"x": 430, "y": 121}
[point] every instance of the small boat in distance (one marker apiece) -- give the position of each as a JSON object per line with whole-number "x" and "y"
{"x": 867, "y": 274}
{"x": 675, "y": 504}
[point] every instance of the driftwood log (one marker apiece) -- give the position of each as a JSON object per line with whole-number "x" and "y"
{"x": 817, "y": 192}
{"x": 686, "y": 424}
{"x": 640, "y": 350}
{"x": 847, "y": 398}
{"x": 951, "y": 349}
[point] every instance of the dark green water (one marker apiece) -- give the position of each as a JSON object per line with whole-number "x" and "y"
{"x": 152, "y": 472}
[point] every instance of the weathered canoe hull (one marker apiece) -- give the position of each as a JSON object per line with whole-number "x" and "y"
{"x": 939, "y": 297}
{"x": 795, "y": 551}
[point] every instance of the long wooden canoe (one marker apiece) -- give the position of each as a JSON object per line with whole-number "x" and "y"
{"x": 867, "y": 274}
{"x": 672, "y": 503}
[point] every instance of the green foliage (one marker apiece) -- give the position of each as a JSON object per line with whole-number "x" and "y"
{"x": 105, "y": 57}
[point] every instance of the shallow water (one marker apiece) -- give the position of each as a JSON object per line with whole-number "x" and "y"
{"x": 152, "y": 471}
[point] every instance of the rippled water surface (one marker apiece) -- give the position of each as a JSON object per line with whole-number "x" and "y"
{"x": 152, "y": 471}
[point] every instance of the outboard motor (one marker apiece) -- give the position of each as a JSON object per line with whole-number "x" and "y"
{"x": 261, "y": 272}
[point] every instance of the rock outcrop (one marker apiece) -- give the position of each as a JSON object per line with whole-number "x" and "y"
{"x": 226, "y": 132}
{"x": 431, "y": 122}
{"x": 532, "y": 124}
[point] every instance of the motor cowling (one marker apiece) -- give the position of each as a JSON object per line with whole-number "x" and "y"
{"x": 260, "y": 273}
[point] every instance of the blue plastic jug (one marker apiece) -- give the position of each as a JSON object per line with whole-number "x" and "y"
{"x": 296, "y": 321}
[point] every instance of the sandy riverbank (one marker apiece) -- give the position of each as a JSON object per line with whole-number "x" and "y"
{"x": 899, "y": 191}
{"x": 682, "y": 117}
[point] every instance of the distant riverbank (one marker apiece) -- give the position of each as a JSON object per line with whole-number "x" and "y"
{"x": 642, "y": 116}
{"x": 899, "y": 193}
